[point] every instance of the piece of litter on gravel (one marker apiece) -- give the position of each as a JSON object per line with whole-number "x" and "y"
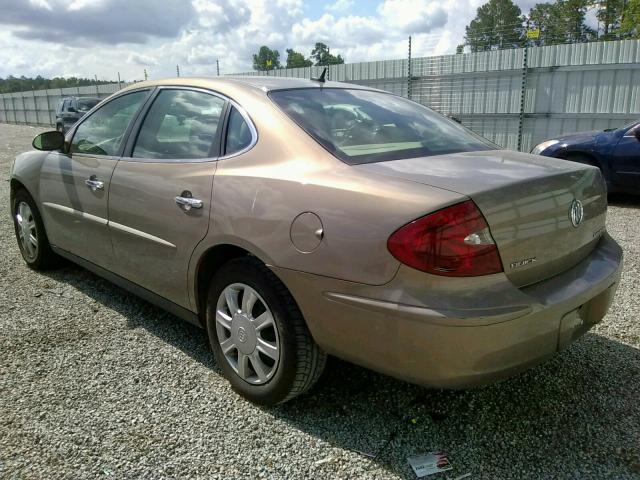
{"x": 323, "y": 460}
{"x": 466, "y": 475}
{"x": 434, "y": 462}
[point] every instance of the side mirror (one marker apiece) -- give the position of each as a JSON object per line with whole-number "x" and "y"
{"x": 48, "y": 141}
{"x": 71, "y": 110}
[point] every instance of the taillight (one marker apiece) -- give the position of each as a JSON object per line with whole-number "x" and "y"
{"x": 454, "y": 241}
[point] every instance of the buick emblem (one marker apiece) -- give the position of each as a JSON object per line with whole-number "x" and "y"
{"x": 576, "y": 213}
{"x": 242, "y": 335}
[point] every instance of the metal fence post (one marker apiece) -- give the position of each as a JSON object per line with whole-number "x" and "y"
{"x": 409, "y": 71}
{"x": 35, "y": 107}
{"x": 523, "y": 88}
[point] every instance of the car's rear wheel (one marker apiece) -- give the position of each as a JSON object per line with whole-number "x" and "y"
{"x": 258, "y": 335}
{"x": 30, "y": 233}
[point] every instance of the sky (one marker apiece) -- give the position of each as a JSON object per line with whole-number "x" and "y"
{"x": 103, "y": 37}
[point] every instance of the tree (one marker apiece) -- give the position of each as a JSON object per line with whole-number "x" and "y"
{"x": 460, "y": 49}
{"x": 630, "y": 21}
{"x": 14, "y": 84}
{"x": 498, "y": 24}
{"x": 609, "y": 14}
{"x": 266, "y": 59}
{"x": 296, "y": 59}
{"x": 561, "y": 22}
{"x": 322, "y": 56}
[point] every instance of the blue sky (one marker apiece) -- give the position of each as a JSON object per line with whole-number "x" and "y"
{"x": 129, "y": 36}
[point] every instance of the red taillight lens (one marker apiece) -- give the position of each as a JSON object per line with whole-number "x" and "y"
{"x": 454, "y": 241}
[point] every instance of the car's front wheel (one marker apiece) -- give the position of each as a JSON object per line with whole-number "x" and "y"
{"x": 30, "y": 233}
{"x": 258, "y": 335}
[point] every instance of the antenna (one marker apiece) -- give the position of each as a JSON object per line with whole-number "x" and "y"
{"x": 322, "y": 76}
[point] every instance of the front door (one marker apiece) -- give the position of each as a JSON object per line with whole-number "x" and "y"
{"x": 160, "y": 196}
{"x": 625, "y": 160}
{"x": 74, "y": 186}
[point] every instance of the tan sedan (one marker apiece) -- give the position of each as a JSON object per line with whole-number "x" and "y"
{"x": 298, "y": 218}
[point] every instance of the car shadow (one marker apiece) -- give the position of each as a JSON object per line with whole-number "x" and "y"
{"x": 582, "y": 407}
{"x": 624, "y": 200}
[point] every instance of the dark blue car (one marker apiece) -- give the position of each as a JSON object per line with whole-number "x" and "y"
{"x": 615, "y": 151}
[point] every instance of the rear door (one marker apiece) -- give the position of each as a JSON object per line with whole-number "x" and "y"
{"x": 160, "y": 195}
{"x": 74, "y": 186}
{"x": 625, "y": 160}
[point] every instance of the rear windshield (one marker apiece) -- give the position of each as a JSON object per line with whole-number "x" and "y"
{"x": 361, "y": 126}
{"x": 87, "y": 103}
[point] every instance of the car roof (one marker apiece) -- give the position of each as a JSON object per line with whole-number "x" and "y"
{"x": 263, "y": 83}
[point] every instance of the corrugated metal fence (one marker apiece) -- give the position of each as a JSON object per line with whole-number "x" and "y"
{"x": 38, "y": 107}
{"x": 563, "y": 89}
{"x": 566, "y": 88}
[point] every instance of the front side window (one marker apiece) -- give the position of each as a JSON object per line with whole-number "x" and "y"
{"x": 238, "y": 133}
{"x": 361, "y": 126}
{"x": 181, "y": 124}
{"x": 102, "y": 133}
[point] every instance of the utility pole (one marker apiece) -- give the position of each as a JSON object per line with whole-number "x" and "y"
{"x": 145, "y": 74}
{"x": 119, "y": 85}
{"x": 178, "y": 71}
{"x": 95, "y": 75}
{"x": 409, "y": 71}
{"x": 218, "y": 66}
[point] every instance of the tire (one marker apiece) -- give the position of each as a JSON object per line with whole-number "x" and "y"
{"x": 269, "y": 318}
{"x": 35, "y": 249}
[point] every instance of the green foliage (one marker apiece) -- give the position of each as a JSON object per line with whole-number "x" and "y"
{"x": 460, "y": 49}
{"x": 561, "y": 22}
{"x": 322, "y": 56}
{"x": 609, "y": 14}
{"x": 498, "y": 24}
{"x": 296, "y": 59}
{"x": 20, "y": 84}
{"x": 630, "y": 20}
{"x": 266, "y": 59}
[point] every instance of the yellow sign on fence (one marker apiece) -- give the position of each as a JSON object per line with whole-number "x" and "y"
{"x": 533, "y": 33}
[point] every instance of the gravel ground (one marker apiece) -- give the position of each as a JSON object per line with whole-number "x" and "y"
{"x": 96, "y": 383}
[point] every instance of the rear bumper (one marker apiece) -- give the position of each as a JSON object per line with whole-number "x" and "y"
{"x": 456, "y": 333}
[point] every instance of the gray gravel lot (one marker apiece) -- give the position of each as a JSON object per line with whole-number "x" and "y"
{"x": 95, "y": 383}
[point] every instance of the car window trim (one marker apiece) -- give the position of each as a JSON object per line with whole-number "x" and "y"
{"x": 127, "y": 155}
{"x": 127, "y": 132}
{"x": 254, "y": 133}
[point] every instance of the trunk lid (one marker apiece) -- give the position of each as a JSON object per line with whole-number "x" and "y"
{"x": 526, "y": 200}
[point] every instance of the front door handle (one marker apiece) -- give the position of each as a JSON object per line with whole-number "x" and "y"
{"x": 94, "y": 184}
{"x": 187, "y": 202}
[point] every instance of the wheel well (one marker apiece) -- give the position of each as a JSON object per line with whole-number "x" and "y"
{"x": 14, "y": 186}
{"x": 209, "y": 264}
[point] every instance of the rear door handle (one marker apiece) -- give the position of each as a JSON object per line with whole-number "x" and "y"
{"x": 187, "y": 202}
{"x": 94, "y": 184}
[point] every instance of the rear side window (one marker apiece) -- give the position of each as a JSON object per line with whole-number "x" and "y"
{"x": 238, "y": 133}
{"x": 361, "y": 126}
{"x": 103, "y": 131}
{"x": 181, "y": 124}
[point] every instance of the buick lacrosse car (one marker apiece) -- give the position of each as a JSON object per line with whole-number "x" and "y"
{"x": 296, "y": 218}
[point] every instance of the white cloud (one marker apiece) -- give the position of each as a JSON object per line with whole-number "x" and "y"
{"x": 339, "y": 6}
{"x": 126, "y": 36}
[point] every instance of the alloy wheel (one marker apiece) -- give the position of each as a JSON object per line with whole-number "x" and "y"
{"x": 247, "y": 333}
{"x": 27, "y": 231}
